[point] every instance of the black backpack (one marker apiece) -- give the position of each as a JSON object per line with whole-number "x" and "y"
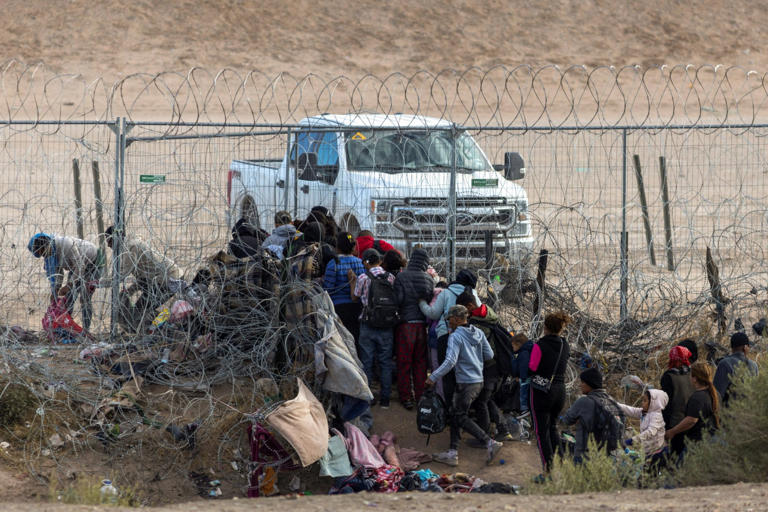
{"x": 609, "y": 424}
{"x": 381, "y": 311}
{"x": 501, "y": 343}
{"x": 431, "y": 413}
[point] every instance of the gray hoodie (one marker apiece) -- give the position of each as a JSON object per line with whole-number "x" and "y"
{"x": 467, "y": 349}
{"x": 279, "y": 238}
{"x": 443, "y": 303}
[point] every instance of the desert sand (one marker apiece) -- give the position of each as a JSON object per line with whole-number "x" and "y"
{"x": 110, "y": 38}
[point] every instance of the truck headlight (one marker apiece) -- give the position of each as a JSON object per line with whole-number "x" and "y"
{"x": 380, "y": 206}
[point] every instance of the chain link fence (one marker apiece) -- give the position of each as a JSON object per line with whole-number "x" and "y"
{"x": 629, "y": 176}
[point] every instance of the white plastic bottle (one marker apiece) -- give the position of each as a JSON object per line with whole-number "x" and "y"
{"x": 108, "y": 492}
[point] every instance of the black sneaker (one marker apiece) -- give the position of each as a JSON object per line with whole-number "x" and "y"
{"x": 384, "y": 403}
{"x": 409, "y": 405}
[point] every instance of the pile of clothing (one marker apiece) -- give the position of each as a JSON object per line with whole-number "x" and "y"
{"x": 390, "y": 479}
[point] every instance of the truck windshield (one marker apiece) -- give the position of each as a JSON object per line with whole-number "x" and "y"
{"x": 396, "y": 151}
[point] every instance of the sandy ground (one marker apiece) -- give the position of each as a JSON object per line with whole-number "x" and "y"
{"x": 739, "y": 497}
{"x": 112, "y": 38}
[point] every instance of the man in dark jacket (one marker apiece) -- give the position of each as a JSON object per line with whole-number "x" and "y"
{"x": 589, "y": 410}
{"x": 411, "y": 286}
{"x": 739, "y": 349}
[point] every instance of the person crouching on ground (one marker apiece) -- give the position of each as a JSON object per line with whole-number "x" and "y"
{"x": 651, "y": 436}
{"x": 156, "y": 276}
{"x": 589, "y": 412}
{"x": 467, "y": 349}
{"x": 80, "y": 259}
{"x": 486, "y": 409}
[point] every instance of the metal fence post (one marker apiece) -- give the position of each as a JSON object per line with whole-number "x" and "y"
{"x": 624, "y": 234}
{"x": 119, "y": 229}
{"x": 287, "y": 172}
{"x": 117, "y": 129}
{"x": 451, "y": 219}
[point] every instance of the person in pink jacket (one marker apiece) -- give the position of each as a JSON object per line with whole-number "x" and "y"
{"x": 652, "y": 427}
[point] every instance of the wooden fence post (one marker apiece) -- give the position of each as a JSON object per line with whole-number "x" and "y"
{"x": 644, "y": 208}
{"x": 667, "y": 215}
{"x": 78, "y": 198}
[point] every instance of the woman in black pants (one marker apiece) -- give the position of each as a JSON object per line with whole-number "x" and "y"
{"x": 549, "y": 359}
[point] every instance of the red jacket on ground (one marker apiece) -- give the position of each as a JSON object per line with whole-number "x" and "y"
{"x": 367, "y": 242}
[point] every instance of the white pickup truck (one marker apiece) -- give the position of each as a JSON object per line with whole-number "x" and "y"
{"x": 390, "y": 174}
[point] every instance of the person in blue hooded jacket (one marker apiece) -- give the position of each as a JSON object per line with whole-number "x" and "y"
{"x": 439, "y": 311}
{"x": 468, "y": 349}
{"x": 79, "y": 259}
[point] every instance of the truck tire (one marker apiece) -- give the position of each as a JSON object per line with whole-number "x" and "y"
{"x": 350, "y": 224}
{"x": 250, "y": 212}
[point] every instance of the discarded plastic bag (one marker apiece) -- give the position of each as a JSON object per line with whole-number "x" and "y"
{"x": 58, "y": 324}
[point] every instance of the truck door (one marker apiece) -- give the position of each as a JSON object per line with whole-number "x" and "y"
{"x": 315, "y": 156}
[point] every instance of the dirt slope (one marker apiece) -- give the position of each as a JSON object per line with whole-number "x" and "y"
{"x": 112, "y": 38}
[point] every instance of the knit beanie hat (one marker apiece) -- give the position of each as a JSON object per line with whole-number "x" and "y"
{"x": 419, "y": 260}
{"x": 592, "y": 378}
{"x": 467, "y": 278}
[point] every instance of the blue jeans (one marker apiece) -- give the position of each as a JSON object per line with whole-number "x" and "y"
{"x": 525, "y": 389}
{"x": 377, "y": 344}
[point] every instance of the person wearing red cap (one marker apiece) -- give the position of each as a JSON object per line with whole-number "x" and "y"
{"x": 366, "y": 241}
{"x": 676, "y": 383}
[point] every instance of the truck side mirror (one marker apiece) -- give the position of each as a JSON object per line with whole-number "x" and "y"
{"x": 514, "y": 166}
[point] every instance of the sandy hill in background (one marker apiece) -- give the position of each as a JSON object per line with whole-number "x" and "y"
{"x": 111, "y": 38}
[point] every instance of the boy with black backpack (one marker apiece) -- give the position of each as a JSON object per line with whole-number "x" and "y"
{"x": 595, "y": 414}
{"x": 375, "y": 290}
{"x": 495, "y": 370}
{"x": 467, "y": 349}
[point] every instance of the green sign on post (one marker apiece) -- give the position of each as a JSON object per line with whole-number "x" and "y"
{"x": 480, "y": 182}
{"x": 152, "y": 178}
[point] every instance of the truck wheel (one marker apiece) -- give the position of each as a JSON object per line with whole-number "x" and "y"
{"x": 349, "y": 223}
{"x": 250, "y": 212}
